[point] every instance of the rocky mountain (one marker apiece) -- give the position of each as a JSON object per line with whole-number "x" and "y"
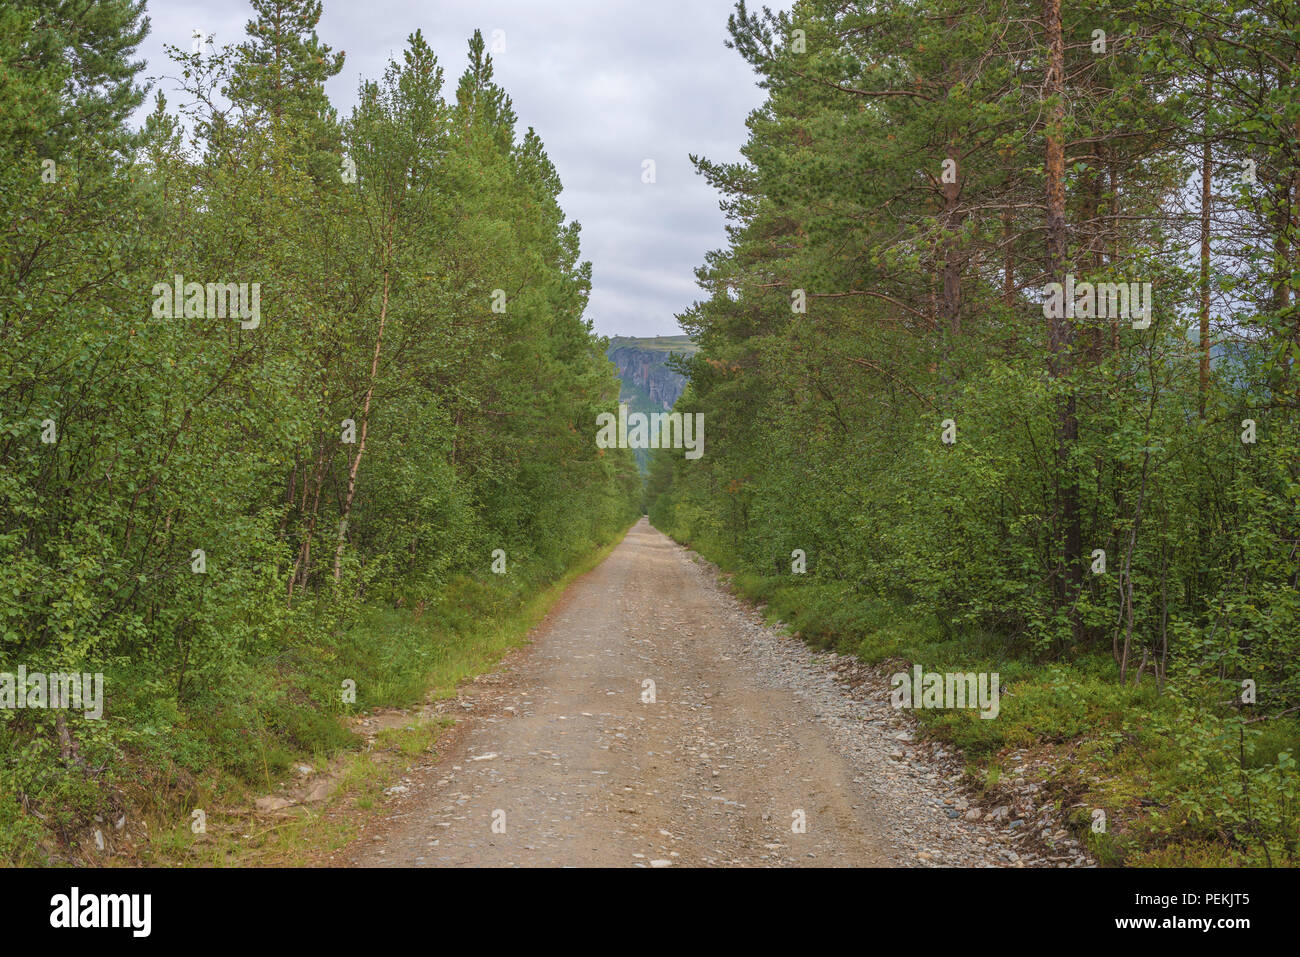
{"x": 648, "y": 384}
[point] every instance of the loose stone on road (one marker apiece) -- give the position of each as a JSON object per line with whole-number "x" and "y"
{"x": 750, "y": 753}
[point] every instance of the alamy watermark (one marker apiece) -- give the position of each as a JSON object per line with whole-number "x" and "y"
{"x": 1103, "y": 300}
{"x": 40, "y": 690}
{"x": 935, "y": 690}
{"x": 656, "y": 430}
{"x": 75, "y": 909}
{"x": 213, "y": 300}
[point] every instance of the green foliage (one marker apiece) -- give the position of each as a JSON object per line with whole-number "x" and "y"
{"x": 366, "y": 441}
{"x": 924, "y": 304}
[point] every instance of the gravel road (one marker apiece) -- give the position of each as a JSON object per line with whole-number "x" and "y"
{"x": 755, "y": 750}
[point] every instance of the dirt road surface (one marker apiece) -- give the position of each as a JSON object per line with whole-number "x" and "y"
{"x": 749, "y": 754}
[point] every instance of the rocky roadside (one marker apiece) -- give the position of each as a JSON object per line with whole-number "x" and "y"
{"x": 923, "y": 782}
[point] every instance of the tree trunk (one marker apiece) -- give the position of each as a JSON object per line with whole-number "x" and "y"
{"x": 365, "y": 425}
{"x": 302, "y": 567}
{"x": 1207, "y": 171}
{"x": 1008, "y": 259}
{"x": 1061, "y": 330}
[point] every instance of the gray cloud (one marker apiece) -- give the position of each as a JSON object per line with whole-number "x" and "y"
{"x": 606, "y": 86}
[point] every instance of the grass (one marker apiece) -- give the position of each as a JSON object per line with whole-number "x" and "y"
{"x": 682, "y": 344}
{"x": 1182, "y": 780}
{"x": 162, "y": 759}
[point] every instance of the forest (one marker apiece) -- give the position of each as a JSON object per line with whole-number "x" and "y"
{"x": 301, "y": 415}
{"x": 1005, "y": 344}
{"x": 290, "y": 402}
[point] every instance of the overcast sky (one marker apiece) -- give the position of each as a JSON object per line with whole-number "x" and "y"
{"x": 606, "y": 85}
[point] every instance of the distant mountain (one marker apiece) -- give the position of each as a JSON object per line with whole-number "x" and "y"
{"x": 647, "y": 380}
{"x": 648, "y": 384}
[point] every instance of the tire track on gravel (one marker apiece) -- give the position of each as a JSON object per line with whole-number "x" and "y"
{"x": 743, "y": 734}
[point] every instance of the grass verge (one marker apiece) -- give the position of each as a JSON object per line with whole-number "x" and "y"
{"x": 141, "y": 782}
{"x": 1182, "y": 779}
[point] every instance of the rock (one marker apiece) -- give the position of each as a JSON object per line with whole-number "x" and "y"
{"x": 272, "y": 803}
{"x": 320, "y": 790}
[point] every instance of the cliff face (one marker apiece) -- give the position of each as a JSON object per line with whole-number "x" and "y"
{"x": 648, "y": 383}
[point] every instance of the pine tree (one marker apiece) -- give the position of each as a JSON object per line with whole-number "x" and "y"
{"x": 280, "y": 76}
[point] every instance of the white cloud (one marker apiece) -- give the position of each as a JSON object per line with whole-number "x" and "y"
{"x": 605, "y": 84}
